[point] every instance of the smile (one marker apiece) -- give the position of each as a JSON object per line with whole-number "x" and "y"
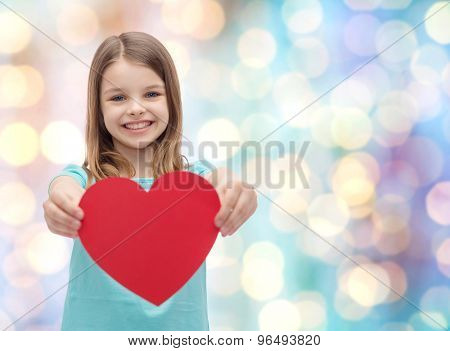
{"x": 137, "y": 127}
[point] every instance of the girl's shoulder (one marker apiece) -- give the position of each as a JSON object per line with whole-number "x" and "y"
{"x": 200, "y": 167}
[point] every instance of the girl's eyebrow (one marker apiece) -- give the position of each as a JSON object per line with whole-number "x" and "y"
{"x": 147, "y": 87}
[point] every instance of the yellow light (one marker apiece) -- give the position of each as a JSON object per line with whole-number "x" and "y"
{"x": 15, "y": 33}
{"x": 19, "y": 144}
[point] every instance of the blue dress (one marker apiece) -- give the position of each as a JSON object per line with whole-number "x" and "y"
{"x": 95, "y": 301}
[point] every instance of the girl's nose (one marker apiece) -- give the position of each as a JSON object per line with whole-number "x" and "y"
{"x": 136, "y": 109}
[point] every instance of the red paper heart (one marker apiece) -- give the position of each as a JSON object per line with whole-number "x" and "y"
{"x": 150, "y": 242}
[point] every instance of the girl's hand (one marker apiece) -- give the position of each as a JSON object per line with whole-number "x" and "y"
{"x": 61, "y": 210}
{"x": 238, "y": 200}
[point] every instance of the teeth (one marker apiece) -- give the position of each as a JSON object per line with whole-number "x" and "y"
{"x": 137, "y": 125}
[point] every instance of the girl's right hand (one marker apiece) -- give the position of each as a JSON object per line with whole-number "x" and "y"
{"x": 61, "y": 210}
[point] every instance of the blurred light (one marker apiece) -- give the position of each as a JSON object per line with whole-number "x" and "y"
{"x": 312, "y": 309}
{"x": 388, "y": 33}
{"x": 292, "y": 93}
{"x": 256, "y": 48}
{"x": 285, "y": 176}
{"x": 294, "y": 203}
{"x": 428, "y": 99}
{"x": 438, "y": 203}
{"x": 362, "y": 287}
{"x": 258, "y": 172}
{"x": 351, "y": 181}
{"x": 256, "y": 126}
{"x": 251, "y": 83}
{"x": 320, "y": 246}
{"x": 397, "y": 326}
{"x": 435, "y": 303}
{"x": 387, "y": 138}
{"x": 443, "y": 257}
{"x": 352, "y": 93}
{"x": 302, "y": 16}
{"x": 212, "y": 19}
{"x": 392, "y": 213}
{"x": 328, "y": 215}
{"x": 393, "y": 119}
{"x": 395, "y": 4}
{"x": 446, "y": 79}
{"x": 180, "y": 56}
{"x": 376, "y": 79}
{"x": 201, "y": 19}
{"x": 28, "y": 303}
{"x": 210, "y": 80}
{"x": 425, "y": 156}
{"x": 359, "y": 32}
{"x": 13, "y": 86}
{"x": 428, "y": 62}
{"x": 225, "y": 252}
{"x": 15, "y": 33}
{"x": 308, "y": 56}
{"x": 348, "y": 308}
{"x": 44, "y": 245}
{"x": 19, "y": 144}
{"x": 62, "y": 143}
{"x": 400, "y": 178}
{"x": 437, "y": 26}
{"x": 262, "y": 271}
{"x": 392, "y": 243}
{"x": 17, "y": 203}
{"x": 351, "y": 128}
{"x": 77, "y": 24}
{"x": 362, "y": 5}
{"x": 224, "y": 137}
{"x": 254, "y": 13}
{"x": 225, "y": 279}
{"x": 360, "y": 235}
{"x": 5, "y": 320}
{"x": 398, "y": 279}
{"x": 362, "y": 211}
{"x": 17, "y": 271}
{"x": 20, "y": 86}
{"x": 279, "y": 315}
{"x": 321, "y": 126}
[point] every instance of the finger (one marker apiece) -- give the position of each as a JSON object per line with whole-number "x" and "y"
{"x": 74, "y": 226}
{"x": 240, "y": 213}
{"x": 229, "y": 202}
{"x": 66, "y": 204}
{"x": 239, "y": 224}
{"x": 58, "y": 215}
{"x": 60, "y": 230}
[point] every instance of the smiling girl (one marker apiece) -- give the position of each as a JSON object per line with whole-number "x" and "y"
{"x": 134, "y": 128}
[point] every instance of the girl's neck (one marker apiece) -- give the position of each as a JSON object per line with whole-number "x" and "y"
{"x": 140, "y": 158}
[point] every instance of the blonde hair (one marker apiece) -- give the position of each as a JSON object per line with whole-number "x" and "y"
{"x": 102, "y": 160}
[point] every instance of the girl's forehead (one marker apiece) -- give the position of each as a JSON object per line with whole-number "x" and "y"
{"x": 123, "y": 72}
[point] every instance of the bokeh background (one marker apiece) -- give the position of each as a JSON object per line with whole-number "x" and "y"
{"x": 377, "y": 164}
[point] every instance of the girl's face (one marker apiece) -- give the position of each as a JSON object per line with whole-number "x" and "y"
{"x": 133, "y": 94}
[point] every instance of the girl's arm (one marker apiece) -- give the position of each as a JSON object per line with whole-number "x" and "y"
{"x": 238, "y": 199}
{"x": 61, "y": 210}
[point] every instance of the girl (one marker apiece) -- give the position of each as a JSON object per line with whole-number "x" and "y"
{"x": 134, "y": 124}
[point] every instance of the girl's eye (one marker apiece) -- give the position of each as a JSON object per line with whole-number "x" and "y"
{"x": 118, "y": 97}
{"x": 115, "y": 98}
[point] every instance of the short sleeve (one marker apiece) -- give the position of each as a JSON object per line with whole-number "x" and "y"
{"x": 74, "y": 171}
{"x": 201, "y": 167}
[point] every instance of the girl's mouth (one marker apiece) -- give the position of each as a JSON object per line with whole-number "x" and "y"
{"x": 138, "y": 127}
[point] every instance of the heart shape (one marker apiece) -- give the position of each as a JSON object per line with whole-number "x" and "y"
{"x": 150, "y": 242}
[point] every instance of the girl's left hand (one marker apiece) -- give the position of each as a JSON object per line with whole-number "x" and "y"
{"x": 238, "y": 201}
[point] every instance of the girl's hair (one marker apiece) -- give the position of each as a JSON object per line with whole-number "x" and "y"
{"x": 102, "y": 160}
